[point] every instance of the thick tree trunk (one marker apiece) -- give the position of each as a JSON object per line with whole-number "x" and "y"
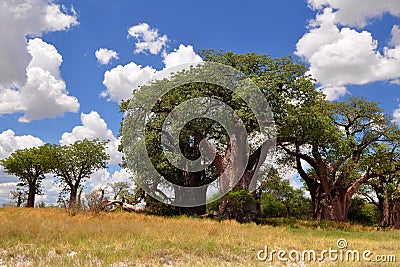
{"x": 73, "y": 196}
{"x": 333, "y": 205}
{"x": 31, "y": 196}
{"x": 395, "y": 222}
{"x": 246, "y": 182}
{"x": 389, "y": 209}
{"x": 189, "y": 196}
{"x": 385, "y": 212}
{"x": 191, "y": 199}
{"x": 230, "y": 176}
{"x": 394, "y": 214}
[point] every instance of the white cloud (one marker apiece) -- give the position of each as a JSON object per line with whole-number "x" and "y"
{"x": 395, "y": 41}
{"x": 396, "y": 116}
{"x": 5, "y": 188}
{"x": 93, "y": 126}
{"x": 10, "y": 143}
{"x": 396, "y": 81}
{"x": 101, "y": 178}
{"x": 51, "y": 191}
{"x": 358, "y": 12}
{"x": 184, "y": 54}
{"x": 104, "y": 55}
{"x": 333, "y": 92}
{"x": 147, "y": 38}
{"x": 26, "y": 18}
{"x": 44, "y": 93}
{"x": 121, "y": 81}
{"x": 340, "y": 57}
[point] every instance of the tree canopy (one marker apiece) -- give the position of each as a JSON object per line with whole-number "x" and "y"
{"x": 30, "y": 165}
{"x": 73, "y": 164}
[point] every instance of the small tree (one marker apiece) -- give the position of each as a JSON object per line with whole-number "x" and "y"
{"x": 30, "y": 165}
{"x": 279, "y": 199}
{"x": 73, "y": 164}
{"x": 19, "y": 196}
{"x": 119, "y": 189}
{"x": 96, "y": 200}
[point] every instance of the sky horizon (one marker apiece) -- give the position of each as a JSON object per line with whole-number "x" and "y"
{"x": 65, "y": 65}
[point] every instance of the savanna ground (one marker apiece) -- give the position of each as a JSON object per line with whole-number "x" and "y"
{"x": 53, "y": 237}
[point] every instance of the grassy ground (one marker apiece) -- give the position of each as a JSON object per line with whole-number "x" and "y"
{"x": 52, "y": 237}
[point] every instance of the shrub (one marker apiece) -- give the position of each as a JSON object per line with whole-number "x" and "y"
{"x": 363, "y": 213}
{"x": 240, "y": 205}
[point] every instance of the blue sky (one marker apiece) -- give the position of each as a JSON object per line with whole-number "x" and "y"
{"x": 352, "y": 47}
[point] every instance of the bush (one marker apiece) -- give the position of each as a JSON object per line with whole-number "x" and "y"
{"x": 95, "y": 201}
{"x": 271, "y": 208}
{"x": 160, "y": 208}
{"x": 239, "y": 205}
{"x": 363, "y": 213}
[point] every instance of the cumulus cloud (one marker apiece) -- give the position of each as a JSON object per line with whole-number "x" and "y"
{"x": 184, "y": 54}
{"x": 345, "y": 56}
{"x": 333, "y": 92}
{"x": 5, "y": 188}
{"x": 104, "y": 55}
{"x": 101, "y": 178}
{"x": 147, "y": 38}
{"x": 396, "y": 115}
{"x": 358, "y": 12}
{"x": 93, "y": 126}
{"x": 44, "y": 93}
{"x": 121, "y": 81}
{"x": 26, "y": 18}
{"x": 396, "y": 81}
{"x": 51, "y": 191}
{"x": 395, "y": 41}
{"x": 10, "y": 143}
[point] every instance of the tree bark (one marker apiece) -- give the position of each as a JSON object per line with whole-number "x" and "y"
{"x": 396, "y": 217}
{"x": 73, "y": 195}
{"x": 189, "y": 197}
{"x": 390, "y": 210}
{"x": 31, "y": 195}
{"x": 19, "y": 200}
{"x": 384, "y": 205}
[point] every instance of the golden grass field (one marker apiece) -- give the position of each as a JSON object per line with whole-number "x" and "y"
{"x": 53, "y": 237}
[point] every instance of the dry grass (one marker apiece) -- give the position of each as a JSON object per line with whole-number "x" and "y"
{"x": 52, "y": 237}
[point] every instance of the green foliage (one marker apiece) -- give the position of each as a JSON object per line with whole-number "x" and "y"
{"x": 30, "y": 165}
{"x": 272, "y": 208}
{"x": 279, "y": 199}
{"x": 73, "y": 164}
{"x": 161, "y": 209}
{"x": 239, "y": 205}
{"x": 363, "y": 213}
{"x": 41, "y": 205}
{"x": 119, "y": 189}
{"x": 283, "y": 82}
